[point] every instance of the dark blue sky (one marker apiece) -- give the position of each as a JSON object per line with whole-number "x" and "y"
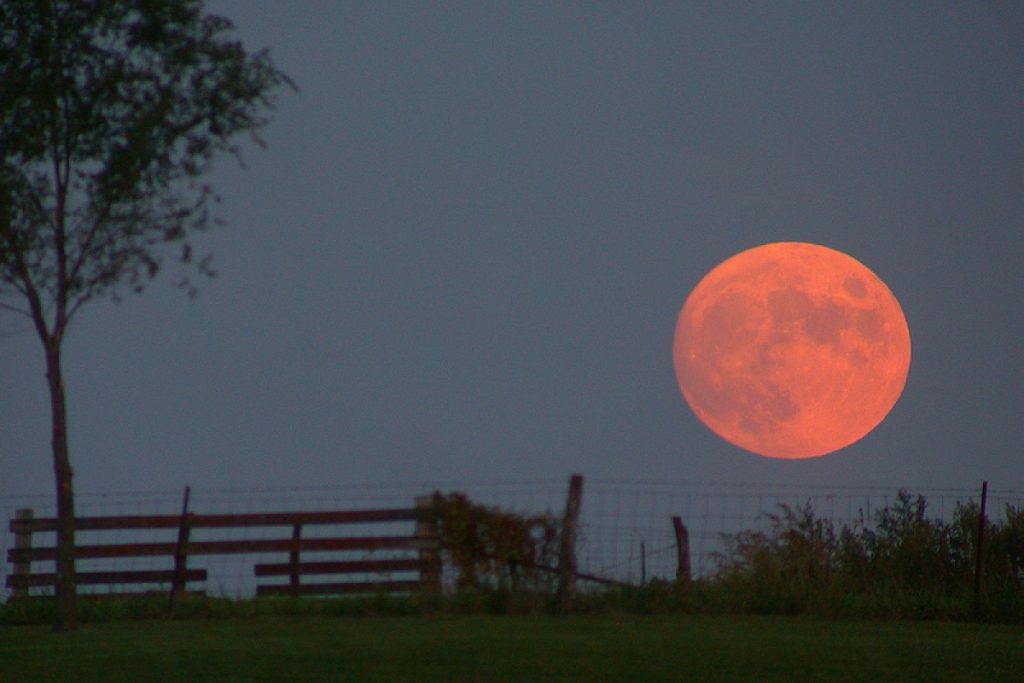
{"x": 463, "y": 254}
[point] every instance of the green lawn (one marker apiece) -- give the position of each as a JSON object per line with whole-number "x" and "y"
{"x": 514, "y": 648}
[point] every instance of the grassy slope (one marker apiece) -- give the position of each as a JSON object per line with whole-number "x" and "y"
{"x": 514, "y": 648}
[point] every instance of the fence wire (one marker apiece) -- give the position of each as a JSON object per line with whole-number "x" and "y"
{"x": 625, "y": 530}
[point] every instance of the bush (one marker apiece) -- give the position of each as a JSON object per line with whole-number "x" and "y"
{"x": 901, "y": 563}
{"x": 494, "y": 549}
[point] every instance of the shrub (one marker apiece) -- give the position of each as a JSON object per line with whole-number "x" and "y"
{"x": 900, "y": 563}
{"x": 783, "y": 569}
{"x": 492, "y": 548}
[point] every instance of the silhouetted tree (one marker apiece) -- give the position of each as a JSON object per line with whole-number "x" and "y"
{"x": 110, "y": 114}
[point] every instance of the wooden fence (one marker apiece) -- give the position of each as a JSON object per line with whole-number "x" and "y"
{"x": 423, "y": 541}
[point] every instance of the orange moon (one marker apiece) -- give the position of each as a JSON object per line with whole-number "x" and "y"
{"x": 791, "y": 350}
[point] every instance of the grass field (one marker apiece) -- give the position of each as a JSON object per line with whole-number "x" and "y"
{"x": 514, "y": 648}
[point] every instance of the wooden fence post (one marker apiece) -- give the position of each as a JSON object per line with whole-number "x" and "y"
{"x": 682, "y": 550}
{"x": 22, "y": 541}
{"x": 567, "y": 549}
{"x": 430, "y": 553}
{"x": 181, "y": 551}
{"x": 293, "y": 561}
{"x": 978, "y": 561}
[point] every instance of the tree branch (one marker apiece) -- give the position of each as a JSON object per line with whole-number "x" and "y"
{"x": 28, "y": 287}
{"x": 15, "y": 309}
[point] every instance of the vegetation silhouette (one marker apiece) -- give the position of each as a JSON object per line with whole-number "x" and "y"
{"x": 897, "y": 562}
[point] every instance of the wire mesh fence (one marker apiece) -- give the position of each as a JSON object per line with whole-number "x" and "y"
{"x": 628, "y": 532}
{"x": 625, "y": 527}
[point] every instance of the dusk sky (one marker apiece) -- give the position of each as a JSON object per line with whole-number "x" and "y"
{"x": 463, "y": 253}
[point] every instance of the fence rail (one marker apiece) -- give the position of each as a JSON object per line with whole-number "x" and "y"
{"x": 195, "y": 521}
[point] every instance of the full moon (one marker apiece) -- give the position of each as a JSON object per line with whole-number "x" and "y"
{"x": 791, "y": 350}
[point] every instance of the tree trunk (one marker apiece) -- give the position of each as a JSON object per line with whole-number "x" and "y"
{"x": 66, "y": 618}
